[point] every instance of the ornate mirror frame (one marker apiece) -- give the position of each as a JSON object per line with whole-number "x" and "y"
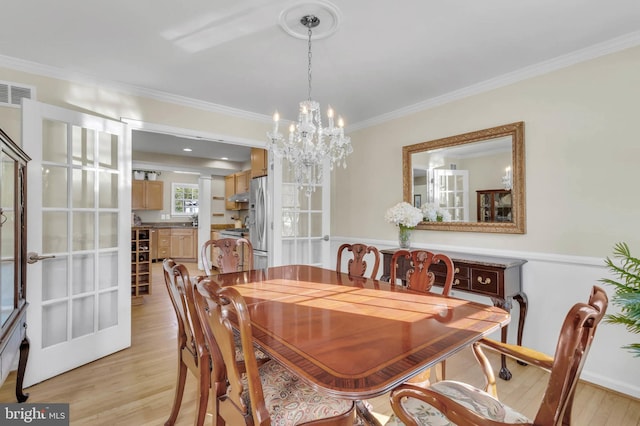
{"x": 516, "y": 132}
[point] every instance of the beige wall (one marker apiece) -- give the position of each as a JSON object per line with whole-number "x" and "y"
{"x": 582, "y": 152}
{"x": 116, "y": 105}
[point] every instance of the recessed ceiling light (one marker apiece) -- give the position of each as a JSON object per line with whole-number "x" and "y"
{"x": 187, "y": 149}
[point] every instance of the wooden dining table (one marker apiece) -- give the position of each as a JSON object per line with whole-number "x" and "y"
{"x": 355, "y": 338}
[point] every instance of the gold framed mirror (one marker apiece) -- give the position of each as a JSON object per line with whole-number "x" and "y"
{"x": 477, "y": 178}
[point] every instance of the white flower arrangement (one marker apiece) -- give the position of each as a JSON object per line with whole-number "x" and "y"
{"x": 433, "y": 213}
{"x": 404, "y": 215}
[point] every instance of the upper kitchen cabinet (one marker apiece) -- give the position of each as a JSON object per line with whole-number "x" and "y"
{"x": 147, "y": 195}
{"x": 237, "y": 183}
{"x": 259, "y": 162}
{"x": 229, "y": 191}
{"x": 243, "y": 182}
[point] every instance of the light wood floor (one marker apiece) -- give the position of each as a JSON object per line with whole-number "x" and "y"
{"x": 135, "y": 386}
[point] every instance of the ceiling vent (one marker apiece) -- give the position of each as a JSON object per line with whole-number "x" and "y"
{"x": 11, "y": 94}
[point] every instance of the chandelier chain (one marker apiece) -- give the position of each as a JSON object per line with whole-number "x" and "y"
{"x": 309, "y": 66}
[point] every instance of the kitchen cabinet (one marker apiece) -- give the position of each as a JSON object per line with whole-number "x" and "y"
{"x": 154, "y": 245}
{"x": 494, "y": 205}
{"x": 183, "y": 244}
{"x": 140, "y": 264}
{"x": 164, "y": 243}
{"x": 259, "y": 162}
{"x": 229, "y": 191}
{"x": 237, "y": 183}
{"x": 147, "y": 195}
{"x": 243, "y": 181}
{"x": 13, "y": 264}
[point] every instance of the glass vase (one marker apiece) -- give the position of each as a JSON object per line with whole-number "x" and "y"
{"x": 404, "y": 237}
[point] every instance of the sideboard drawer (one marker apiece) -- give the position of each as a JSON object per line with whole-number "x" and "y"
{"x": 460, "y": 283}
{"x": 484, "y": 281}
{"x": 460, "y": 275}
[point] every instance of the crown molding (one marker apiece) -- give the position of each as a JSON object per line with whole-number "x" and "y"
{"x": 592, "y": 52}
{"x": 611, "y": 46}
{"x": 75, "y": 77}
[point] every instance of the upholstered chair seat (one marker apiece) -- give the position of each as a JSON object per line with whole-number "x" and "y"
{"x": 292, "y": 401}
{"x": 474, "y": 399}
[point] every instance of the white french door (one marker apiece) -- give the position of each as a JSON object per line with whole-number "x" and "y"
{"x": 78, "y": 222}
{"x": 301, "y": 222}
{"x": 451, "y": 192}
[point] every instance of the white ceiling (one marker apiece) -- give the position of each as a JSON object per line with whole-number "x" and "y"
{"x": 384, "y": 57}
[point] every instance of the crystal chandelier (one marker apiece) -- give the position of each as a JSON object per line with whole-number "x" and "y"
{"x": 309, "y": 144}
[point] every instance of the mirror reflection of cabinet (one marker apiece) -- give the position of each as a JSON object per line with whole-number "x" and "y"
{"x": 494, "y": 205}
{"x": 13, "y": 261}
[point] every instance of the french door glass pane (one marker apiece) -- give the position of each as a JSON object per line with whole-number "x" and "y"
{"x": 54, "y": 323}
{"x": 108, "y": 190}
{"x": 107, "y": 309}
{"x": 108, "y": 230}
{"x": 82, "y": 146}
{"x": 54, "y": 232}
{"x": 54, "y": 278}
{"x": 54, "y": 141}
{"x": 82, "y": 314}
{"x": 54, "y": 186}
{"x": 83, "y": 188}
{"x": 108, "y": 270}
{"x": 108, "y": 150}
{"x": 83, "y": 231}
{"x": 83, "y": 270}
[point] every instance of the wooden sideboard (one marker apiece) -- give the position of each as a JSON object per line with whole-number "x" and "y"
{"x": 498, "y": 278}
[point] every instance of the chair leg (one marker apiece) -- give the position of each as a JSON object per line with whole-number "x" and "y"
{"x": 441, "y": 371}
{"x": 203, "y": 395}
{"x": 363, "y": 412}
{"x": 177, "y": 399}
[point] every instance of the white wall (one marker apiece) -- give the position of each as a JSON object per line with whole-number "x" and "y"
{"x": 582, "y": 151}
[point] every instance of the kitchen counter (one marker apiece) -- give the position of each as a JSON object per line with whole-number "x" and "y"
{"x": 188, "y": 225}
{"x": 170, "y": 225}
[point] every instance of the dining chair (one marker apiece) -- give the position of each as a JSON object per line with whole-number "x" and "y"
{"x": 357, "y": 266}
{"x": 461, "y": 403}
{"x": 193, "y": 354}
{"x": 266, "y": 394}
{"x": 228, "y": 256}
{"x": 421, "y": 277}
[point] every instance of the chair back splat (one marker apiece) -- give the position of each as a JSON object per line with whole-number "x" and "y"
{"x": 230, "y": 255}
{"x": 420, "y": 276}
{"x": 357, "y": 266}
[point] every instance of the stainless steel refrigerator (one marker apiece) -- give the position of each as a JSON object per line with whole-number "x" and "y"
{"x": 258, "y": 229}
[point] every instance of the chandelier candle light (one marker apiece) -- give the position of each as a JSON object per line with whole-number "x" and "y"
{"x": 309, "y": 144}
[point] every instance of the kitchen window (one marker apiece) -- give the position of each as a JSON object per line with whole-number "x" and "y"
{"x": 184, "y": 199}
